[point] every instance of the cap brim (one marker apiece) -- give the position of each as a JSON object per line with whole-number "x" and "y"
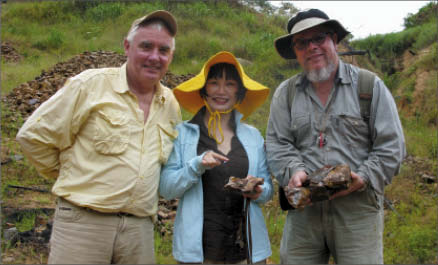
{"x": 188, "y": 96}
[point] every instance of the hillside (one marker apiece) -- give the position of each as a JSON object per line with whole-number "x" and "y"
{"x": 46, "y": 42}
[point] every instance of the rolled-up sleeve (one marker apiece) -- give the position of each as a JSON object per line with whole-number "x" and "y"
{"x": 51, "y": 128}
{"x": 388, "y": 142}
{"x": 284, "y": 158}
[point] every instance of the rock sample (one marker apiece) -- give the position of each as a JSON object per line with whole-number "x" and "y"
{"x": 320, "y": 185}
{"x": 246, "y": 185}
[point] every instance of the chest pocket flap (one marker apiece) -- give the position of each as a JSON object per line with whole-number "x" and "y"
{"x": 112, "y": 132}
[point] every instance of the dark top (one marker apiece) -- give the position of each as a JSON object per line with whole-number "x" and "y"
{"x": 223, "y": 236}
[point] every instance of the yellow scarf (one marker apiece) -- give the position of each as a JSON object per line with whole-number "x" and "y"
{"x": 215, "y": 121}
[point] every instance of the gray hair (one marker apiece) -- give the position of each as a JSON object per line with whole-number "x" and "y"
{"x": 158, "y": 24}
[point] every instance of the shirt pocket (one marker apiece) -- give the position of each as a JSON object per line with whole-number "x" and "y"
{"x": 301, "y": 129}
{"x": 166, "y": 134}
{"x": 112, "y": 132}
{"x": 355, "y": 130}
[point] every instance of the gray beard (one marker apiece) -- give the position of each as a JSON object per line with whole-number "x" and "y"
{"x": 321, "y": 75}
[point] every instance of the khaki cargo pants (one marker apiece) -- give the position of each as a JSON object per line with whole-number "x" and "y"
{"x": 349, "y": 228}
{"x": 82, "y": 236}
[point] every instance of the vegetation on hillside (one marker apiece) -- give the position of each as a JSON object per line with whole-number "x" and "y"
{"x": 420, "y": 32}
{"x": 409, "y": 62}
{"x": 45, "y": 33}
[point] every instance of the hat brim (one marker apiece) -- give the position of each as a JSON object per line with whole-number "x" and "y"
{"x": 283, "y": 44}
{"x": 189, "y": 98}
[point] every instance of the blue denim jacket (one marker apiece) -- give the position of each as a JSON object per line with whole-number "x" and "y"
{"x": 181, "y": 178}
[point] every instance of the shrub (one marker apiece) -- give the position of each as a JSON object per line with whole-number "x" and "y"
{"x": 427, "y": 36}
{"x": 26, "y": 222}
{"x": 424, "y": 15}
{"x": 392, "y": 81}
{"x": 53, "y": 40}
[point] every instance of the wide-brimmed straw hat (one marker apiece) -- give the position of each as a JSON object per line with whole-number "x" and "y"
{"x": 189, "y": 98}
{"x": 305, "y": 20}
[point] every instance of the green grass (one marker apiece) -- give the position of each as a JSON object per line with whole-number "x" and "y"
{"x": 421, "y": 138}
{"x": 274, "y": 219}
{"x": 26, "y": 222}
{"x": 411, "y": 234}
{"x": 163, "y": 248}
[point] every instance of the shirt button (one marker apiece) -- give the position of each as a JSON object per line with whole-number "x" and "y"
{"x": 141, "y": 176}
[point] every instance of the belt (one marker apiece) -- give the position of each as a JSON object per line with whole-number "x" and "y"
{"x": 120, "y": 214}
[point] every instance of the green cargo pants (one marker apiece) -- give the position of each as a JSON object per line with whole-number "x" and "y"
{"x": 349, "y": 228}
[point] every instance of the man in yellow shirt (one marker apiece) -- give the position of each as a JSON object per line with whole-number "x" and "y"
{"x": 104, "y": 137}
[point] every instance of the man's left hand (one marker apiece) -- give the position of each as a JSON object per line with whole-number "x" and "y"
{"x": 357, "y": 183}
{"x": 258, "y": 190}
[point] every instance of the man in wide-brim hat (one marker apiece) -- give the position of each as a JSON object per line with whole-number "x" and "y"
{"x": 318, "y": 117}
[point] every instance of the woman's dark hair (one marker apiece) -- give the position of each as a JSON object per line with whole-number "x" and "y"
{"x": 217, "y": 70}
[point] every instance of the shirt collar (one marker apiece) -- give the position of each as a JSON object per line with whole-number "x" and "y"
{"x": 343, "y": 77}
{"x": 123, "y": 85}
{"x": 159, "y": 96}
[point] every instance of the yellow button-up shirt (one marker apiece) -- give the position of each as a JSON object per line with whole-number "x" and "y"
{"x": 92, "y": 137}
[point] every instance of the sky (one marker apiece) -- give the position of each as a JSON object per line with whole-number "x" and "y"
{"x": 364, "y": 18}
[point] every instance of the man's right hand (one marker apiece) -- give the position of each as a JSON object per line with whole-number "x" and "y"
{"x": 297, "y": 179}
{"x": 212, "y": 159}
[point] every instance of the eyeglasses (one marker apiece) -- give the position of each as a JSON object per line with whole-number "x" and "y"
{"x": 318, "y": 39}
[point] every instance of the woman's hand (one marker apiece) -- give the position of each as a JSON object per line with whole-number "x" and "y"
{"x": 258, "y": 191}
{"x": 212, "y": 159}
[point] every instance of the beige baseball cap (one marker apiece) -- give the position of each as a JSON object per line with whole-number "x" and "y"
{"x": 165, "y": 16}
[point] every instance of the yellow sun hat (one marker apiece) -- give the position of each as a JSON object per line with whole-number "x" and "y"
{"x": 188, "y": 96}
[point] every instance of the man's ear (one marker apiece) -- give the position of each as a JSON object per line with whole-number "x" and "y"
{"x": 171, "y": 56}
{"x": 126, "y": 45}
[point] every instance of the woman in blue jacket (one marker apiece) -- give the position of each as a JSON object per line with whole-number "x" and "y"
{"x": 214, "y": 145}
